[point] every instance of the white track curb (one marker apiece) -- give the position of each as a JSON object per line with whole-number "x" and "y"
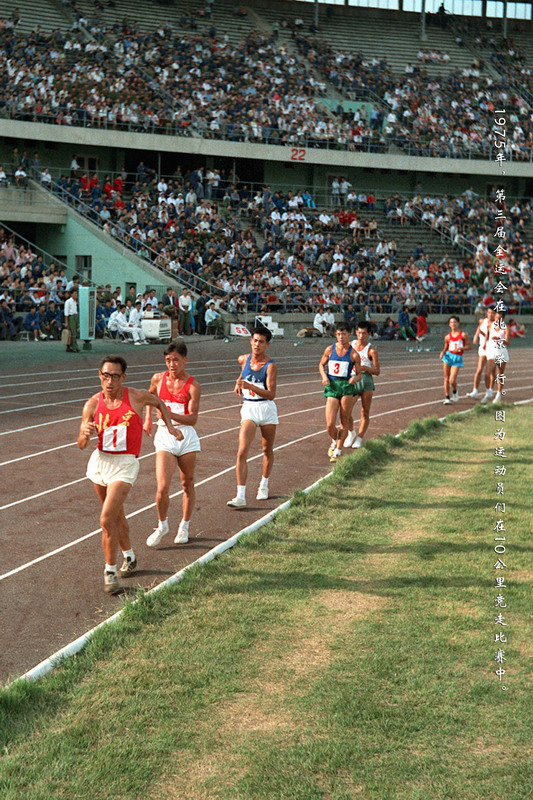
{"x": 78, "y": 644}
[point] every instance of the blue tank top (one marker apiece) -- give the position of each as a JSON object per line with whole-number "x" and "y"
{"x": 339, "y": 366}
{"x": 259, "y": 377}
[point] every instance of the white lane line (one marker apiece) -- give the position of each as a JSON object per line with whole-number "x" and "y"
{"x": 145, "y": 508}
{"x": 523, "y": 402}
{"x": 234, "y": 405}
{"x": 82, "y": 400}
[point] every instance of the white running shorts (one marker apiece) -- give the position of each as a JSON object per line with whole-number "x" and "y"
{"x": 262, "y": 412}
{"x": 164, "y": 441}
{"x": 107, "y": 468}
{"x": 493, "y": 351}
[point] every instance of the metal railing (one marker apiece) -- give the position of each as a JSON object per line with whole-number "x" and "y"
{"x": 395, "y": 145}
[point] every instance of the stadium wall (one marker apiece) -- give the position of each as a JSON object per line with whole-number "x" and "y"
{"x": 82, "y": 137}
{"x": 111, "y": 263}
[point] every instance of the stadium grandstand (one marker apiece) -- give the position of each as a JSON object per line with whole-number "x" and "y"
{"x": 279, "y": 158}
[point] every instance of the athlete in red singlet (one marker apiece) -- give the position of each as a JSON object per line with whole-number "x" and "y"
{"x": 115, "y": 414}
{"x": 181, "y": 394}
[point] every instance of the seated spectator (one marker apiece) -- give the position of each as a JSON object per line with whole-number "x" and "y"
{"x": 388, "y": 330}
{"x": 32, "y": 324}
{"x": 119, "y": 323}
{"x": 213, "y": 320}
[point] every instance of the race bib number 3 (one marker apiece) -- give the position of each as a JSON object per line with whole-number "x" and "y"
{"x": 339, "y": 369}
{"x": 114, "y": 440}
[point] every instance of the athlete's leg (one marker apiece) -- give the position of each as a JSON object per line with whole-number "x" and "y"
{"x": 186, "y": 465}
{"x": 490, "y": 373}
{"x": 268, "y": 434}
{"x": 364, "y": 421}
{"x": 112, "y": 498}
{"x": 165, "y": 467}
{"x": 246, "y": 437}
{"x": 453, "y": 378}
{"x": 446, "y": 371}
{"x": 346, "y": 406}
{"x": 479, "y": 371}
{"x": 332, "y": 407}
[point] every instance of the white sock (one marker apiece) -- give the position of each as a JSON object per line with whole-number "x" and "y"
{"x": 184, "y": 526}
{"x": 264, "y": 483}
{"x": 129, "y": 554}
{"x": 241, "y": 492}
{"x": 111, "y": 568}
{"x": 333, "y": 442}
{"x": 337, "y": 452}
{"x": 163, "y": 526}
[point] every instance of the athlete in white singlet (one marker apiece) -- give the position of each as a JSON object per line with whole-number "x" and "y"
{"x": 364, "y": 387}
{"x": 481, "y": 338}
{"x": 497, "y": 354}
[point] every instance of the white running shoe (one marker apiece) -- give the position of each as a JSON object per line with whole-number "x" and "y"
{"x": 455, "y": 397}
{"x": 182, "y": 536}
{"x": 486, "y": 397}
{"x": 155, "y": 538}
{"x": 348, "y": 442}
{"x": 473, "y": 394}
{"x": 446, "y": 401}
{"x": 236, "y": 503}
{"x": 497, "y": 397}
{"x": 358, "y": 442}
{"x": 262, "y": 494}
{"x": 138, "y": 344}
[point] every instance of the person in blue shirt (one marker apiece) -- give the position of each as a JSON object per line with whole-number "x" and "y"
{"x": 32, "y": 323}
{"x": 404, "y": 325}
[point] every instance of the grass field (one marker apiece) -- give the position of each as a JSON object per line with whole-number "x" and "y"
{"x": 344, "y": 651}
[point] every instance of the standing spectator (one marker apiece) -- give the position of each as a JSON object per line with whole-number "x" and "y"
{"x": 71, "y": 322}
{"x": 201, "y": 305}
{"x": 404, "y": 325}
{"x": 421, "y": 319}
{"x": 184, "y": 317}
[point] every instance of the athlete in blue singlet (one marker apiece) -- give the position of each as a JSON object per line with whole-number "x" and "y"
{"x": 257, "y": 386}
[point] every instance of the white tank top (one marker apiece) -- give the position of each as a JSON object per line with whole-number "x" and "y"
{"x": 497, "y": 332}
{"x": 363, "y": 354}
{"x": 484, "y": 327}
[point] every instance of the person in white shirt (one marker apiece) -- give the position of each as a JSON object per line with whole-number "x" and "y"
{"x": 318, "y": 323}
{"x": 71, "y": 321}
{"x": 184, "y": 315}
{"x": 136, "y": 315}
{"x": 118, "y": 322}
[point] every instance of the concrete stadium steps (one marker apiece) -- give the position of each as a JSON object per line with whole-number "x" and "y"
{"x": 47, "y": 14}
{"x": 395, "y": 37}
{"x": 223, "y": 18}
{"x": 406, "y": 236}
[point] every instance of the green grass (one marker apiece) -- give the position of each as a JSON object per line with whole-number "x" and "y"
{"x": 344, "y": 651}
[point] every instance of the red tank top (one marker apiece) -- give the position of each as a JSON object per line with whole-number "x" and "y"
{"x": 120, "y": 429}
{"x": 177, "y": 403}
{"x": 456, "y": 344}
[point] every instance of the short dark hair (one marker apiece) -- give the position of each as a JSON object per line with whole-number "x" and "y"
{"x": 260, "y": 330}
{"x": 454, "y": 316}
{"x": 364, "y": 325}
{"x": 114, "y": 360}
{"x": 176, "y": 347}
{"x": 343, "y": 326}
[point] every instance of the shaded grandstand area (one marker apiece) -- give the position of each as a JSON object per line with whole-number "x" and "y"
{"x": 254, "y": 74}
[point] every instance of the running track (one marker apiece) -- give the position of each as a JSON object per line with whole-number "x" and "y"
{"x": 50, "y": 558}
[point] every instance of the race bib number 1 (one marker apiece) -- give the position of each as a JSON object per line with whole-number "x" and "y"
{"x": 114, "y": 440}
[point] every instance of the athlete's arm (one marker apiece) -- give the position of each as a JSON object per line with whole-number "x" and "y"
{"x": 446, "y": 340}
{"x": 154, "y": 389}
{"x": 467, "y": 344}
{"x": 375, "y": 369}
{"x": 238, "y": 383}
{"x": 194, "y": 406}
{"x": 477, "y": 334}
{"x": 321, "y": 367}
{"x": 356, "y": 359}
{"x": 88, "y": 425}
{"x": 140, "y": 398}
{"x": 266, "y": 394}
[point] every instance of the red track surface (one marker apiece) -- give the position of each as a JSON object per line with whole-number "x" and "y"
{"x": 50, "y": 558}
